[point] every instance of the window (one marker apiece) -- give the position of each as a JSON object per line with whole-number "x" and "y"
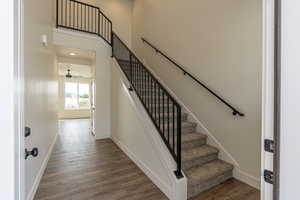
{"x": 77, "y": 95}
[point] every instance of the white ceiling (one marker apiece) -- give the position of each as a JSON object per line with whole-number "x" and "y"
{"x": 76, "y": 70}
{"x": 79, "y": 54}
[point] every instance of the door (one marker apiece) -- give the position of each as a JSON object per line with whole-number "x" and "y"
{"x": 93, "y": 107}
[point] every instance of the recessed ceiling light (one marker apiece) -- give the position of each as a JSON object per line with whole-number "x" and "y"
{"x": 72, "y": 54}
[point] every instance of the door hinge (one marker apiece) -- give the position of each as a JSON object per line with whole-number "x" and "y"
{"x": 27, "y": 131}
{"x": 269, "y": 145}
{"x": 269, "y": 176}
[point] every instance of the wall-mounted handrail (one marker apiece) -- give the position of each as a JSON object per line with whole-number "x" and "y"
{"x": 234, "y": 110}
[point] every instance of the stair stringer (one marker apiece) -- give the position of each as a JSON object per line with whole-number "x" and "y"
{"x": 177, "y": 190}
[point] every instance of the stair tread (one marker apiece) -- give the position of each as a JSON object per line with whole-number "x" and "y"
{"x": 197, "y": 175}
{"x": 188, "y": 137}
{"x": 197, "y": 152}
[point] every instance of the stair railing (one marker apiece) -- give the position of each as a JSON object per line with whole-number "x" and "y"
{"x": 234, "y": 110}
{"x": 162, "y": 108}
{"x": 79, "y": 16}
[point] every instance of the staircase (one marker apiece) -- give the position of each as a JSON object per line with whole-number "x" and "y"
{"x": 200, "y": 161}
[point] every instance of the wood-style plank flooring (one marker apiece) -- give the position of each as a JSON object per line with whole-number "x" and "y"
{"x": 83, "y": 169}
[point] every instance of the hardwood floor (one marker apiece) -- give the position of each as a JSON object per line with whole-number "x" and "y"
{"x": 81, "y": 168}
{"x": 230, "y": 190}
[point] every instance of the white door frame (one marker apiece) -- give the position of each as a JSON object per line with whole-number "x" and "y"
{"x": 268, "y": 94}
{"x": 14, "y": 190}
{"x": 11, "y": 143}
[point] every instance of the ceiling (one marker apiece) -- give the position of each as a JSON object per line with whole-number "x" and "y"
{"x": 84, "y": 71}
{"x": 79, "y": 54}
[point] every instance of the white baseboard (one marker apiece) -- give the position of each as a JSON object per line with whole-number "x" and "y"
{"x": 101, "y": 137}
{"x": 154, "y": 178}
{"x": 41, "y": 172}
{"x": 246, "y": 178}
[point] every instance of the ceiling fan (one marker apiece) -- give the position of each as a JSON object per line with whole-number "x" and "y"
{"x": 69, "y": 75}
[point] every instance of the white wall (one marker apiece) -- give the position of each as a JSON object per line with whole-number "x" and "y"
{"x": 219, "y": 42}
{"x": 41, "y": 87}
{"x": 290, "y": 98}
{"x": 102, "y": 74}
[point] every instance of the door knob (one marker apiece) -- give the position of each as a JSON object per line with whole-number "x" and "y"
{"x": 34, "y": 153}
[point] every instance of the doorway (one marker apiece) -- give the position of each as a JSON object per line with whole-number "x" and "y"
{"x": 78, "y": 92}
{"x": 76, "y": 85}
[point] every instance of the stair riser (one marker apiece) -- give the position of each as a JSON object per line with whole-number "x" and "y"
{"x": 190, "y": 129}
{"x": 184, "y": 130}
{"x": 190, "y": 144}
{"x": 193, "y": 144}
{"x": 199, "y": 161}
{"x": 165, "y": 117}
{"x": 194, "y": 189}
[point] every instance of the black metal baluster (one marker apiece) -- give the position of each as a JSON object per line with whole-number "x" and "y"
{"x": 73, "y": 15}
{"x": 89, "y": 19}
{"x": 62, "y": 13}
{"x": 130, "y": 57}
{"x": 135, "y": 74}
{"x": 84, "y": 21}
{"x": 99, "y": 22}
{"x": 95, "y": 13}
{"x": 81, "y": 17}
{"x": 159, "y": 107}
{"x": 168, "y": 110}
{"x": 144, "y": 90}
{"x": 148, "y": 90}
{"x": 173, "y": 126}
{"x": 151, "y": 88}
{"x": 143, "y": 84}
{"x": 107, "y": 32}
{"x": 155, "y": 102}
{"x": 163, "y": 115}
{"x": 70, "y": 13}
{"x": 105, "y": 29}
{"x": 101, "y": 25}
{"x": 66, "y": 13}
{"x": 77, "y": 24}
{"x": 110, "y": 27}
{"x": 93, "y": 17}
{"x": 138, "y": 76}
{"x": 178, "y": 173}
{"x": 57, "y": 14}
{"x": 141, "y": 80}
